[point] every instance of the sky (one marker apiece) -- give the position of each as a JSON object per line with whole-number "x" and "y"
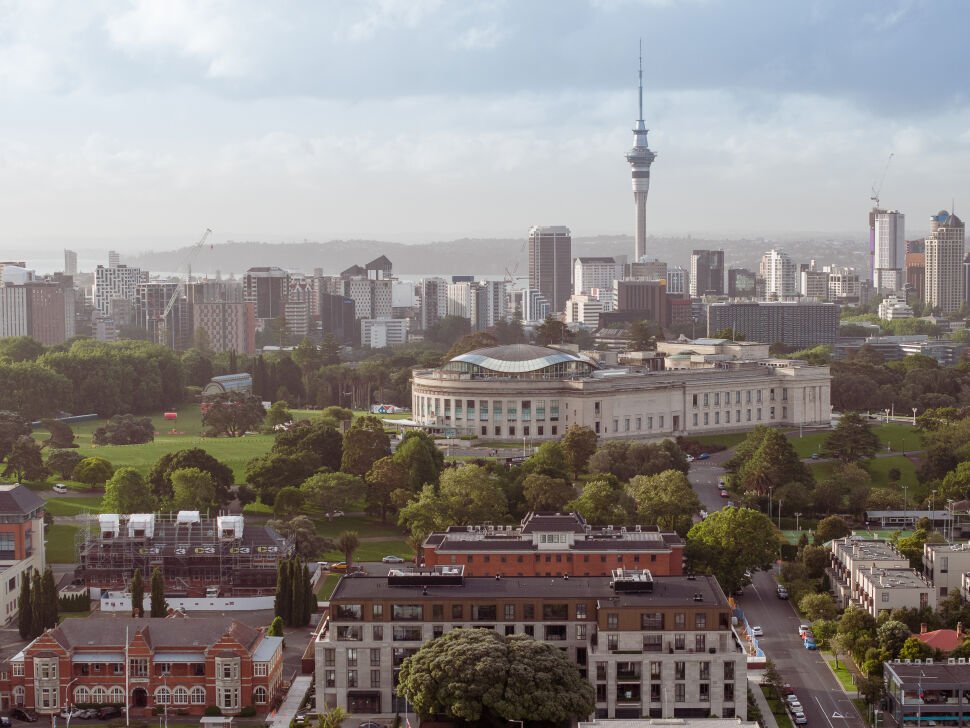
{"x": 136, "y": 125}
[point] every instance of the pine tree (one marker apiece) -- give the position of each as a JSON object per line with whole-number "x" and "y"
{"x": 50, "y": 599}
{"x": 309, "y": 598}
{"x": 25, "y": 616}
{"x": 137, "y": 594}
{"x": 284, "y": 592}
{"x": 296, "y": 611}
{"x": 159, "y": 605}
{"x": 36, "y": 604}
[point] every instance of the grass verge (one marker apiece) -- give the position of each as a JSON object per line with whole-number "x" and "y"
{"x": 842, "y": 673}
{"x": 73, "y": 506}
{"x": 374, "y": 551}
{"x": 327, "y": 587}
{"x": 60, "y": 543}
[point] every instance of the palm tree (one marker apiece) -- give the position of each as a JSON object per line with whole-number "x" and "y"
{"x": 348, "y": 542}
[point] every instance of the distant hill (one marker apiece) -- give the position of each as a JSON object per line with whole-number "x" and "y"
{"x": 487, "y": 256}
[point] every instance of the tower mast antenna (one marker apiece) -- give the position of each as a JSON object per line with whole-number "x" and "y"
{"x": 640, "y": 118}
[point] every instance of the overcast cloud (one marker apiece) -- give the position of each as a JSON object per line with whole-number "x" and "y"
{"x": 137, "y": 124}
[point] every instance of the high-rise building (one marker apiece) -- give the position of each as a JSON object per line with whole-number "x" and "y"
{"x": 590, "y": 273}
{"x": 433, "y": 293}
{"x": 266, "y": 288}
{"x": 117, "y": 281}
{"x": 646, "y": 297}
{"x": 648, "y": 270}
{"x": 780, "y": 274}
{"x": 150, "y": 301}
{"x": 815, "y": 284}
{"x": 678, "y": 280}
{"x": 114, "y": 259}
{"x": 338, "y": 317}
{"x": 844, "y": 284}
{"x": 944, "y": 263}
{"x": 50, "y": 309}
{"x": 890, "y": 240}
{"x": 70, "y": 263}
{"x": 532, "y": 305}
{"x": 707, "y": 273}
{"x": 742, "y": 283}
{"x": 916, "y": 268}
{"x": 228, "y": 325}
{"x": 382, "y": 333}
{"x": 640, "y": 158}
{"x": 14, "y": 318}
{"x": 798, "y": 324}
{"x": 550, "y": 260}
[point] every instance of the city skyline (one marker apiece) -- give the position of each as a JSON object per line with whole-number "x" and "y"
{"x": 141, "y": 123}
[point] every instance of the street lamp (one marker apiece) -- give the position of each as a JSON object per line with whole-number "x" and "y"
{"x": 67, "y": 700}
{"x": 887, "y": 415}
{"x": 914, "y": 417}
{"x": 779, "y": 514}
{"x": 797, "y": 516}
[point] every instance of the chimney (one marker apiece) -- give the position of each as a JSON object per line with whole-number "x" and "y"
{"x": 960, "y": 630}
{"x": 922, "y": 628}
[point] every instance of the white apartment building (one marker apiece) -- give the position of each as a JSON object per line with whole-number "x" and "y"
{"x": 944, "y": 287}
{"x": 584, "y": 310}
{"x": 944, "y": 565}
{"x": 890, "y": 239}
{"x": 815, "y": 285}
{"x": 894, "y": 588}
{"x": 589, "y": 273}
{"x": 891, "y": 308}
{"x": 844, "y": 283}
{"x": 14, "y": 320}
{"x": 678, "y": 280}
{"x": 381, "y": 333}
{"x": 780, "y": 274}
{"x": 373, "y": 297}
{"x": 851, "y": 555}
{"x": 115, "y": 282}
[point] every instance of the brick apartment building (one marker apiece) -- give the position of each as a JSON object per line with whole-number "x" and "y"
{"x": 554, "y": 544}
{"x": 658, "y": 648}
{"x": 21, "y": 543}
{"x": 184, "y": 663}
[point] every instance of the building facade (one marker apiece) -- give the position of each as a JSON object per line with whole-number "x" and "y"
{"x": 266, "y": 288}
{"x": 536, "y": 392}
{"x": 434, "y": 301}
{"x": 550, "y": 263}
{"x": 115, "y": 282}
{"x": 742, "y": 283}
{"x": 657, "y": 647}
{"x": 179, "y": 664}
{"x": 799, "y": 324}
{"x": 944, "y": 263}
{"x": 554, "y": 544}
{"x": 928, "y": 692}
{"x": 381, "y": 333}
{"x": 780, "y": 274}
{"x": 650, "y": 297}
{"x": 707, "y": 273}
{"x": 595, "y": 273}
{"x": 227, "y": 326}
{"x": 890, "y": 251}
{"x": 21, "y": 542}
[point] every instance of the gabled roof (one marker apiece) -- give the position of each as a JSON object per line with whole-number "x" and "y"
{"x": 102, "y": 633}
{"x": 944, "y": 640}
{"x": 16, "y": 498}
{"x": 380, "y": 263}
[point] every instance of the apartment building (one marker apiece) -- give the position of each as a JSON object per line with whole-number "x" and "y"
{"x": 228, "y": 326}
{"x": 852, "y": 554}
{"x": 944, "y": 565}
{"x": 928, "y": 692}
{"x": 886, "y": 589}
{"x": 384, "y": 332}
{"x": 554, "y": 544}
{"x": 182, "y": 664}
{"x": 657, "y": 647}
{"x": 21, "y": 542}
{"x": 115, "y": 282}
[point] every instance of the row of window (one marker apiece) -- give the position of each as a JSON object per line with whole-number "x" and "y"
{"x": 478, "y": 612}
{"x": 330, "y": 679}
{"x": 550, "y": 633}
{"x": 631, "y": 693}
{"x": 631, "y": 670}
{"x": 737, "y": 416}
{"x": 510, "y": 409}
{"x": 715, "y": 397}
{"x": 550, "y": 558}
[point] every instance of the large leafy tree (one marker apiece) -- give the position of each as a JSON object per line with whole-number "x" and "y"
{"x": 385, "y": 477}
{"x": 63, "y": 461}
{"x": 127, "y": 492}
{"x": 364, "y": 444}
{"x": 466, "y": 496}
{"x": 33, "y": 390}
{"x": 318, "y": 438}
{"x": 831, "y": 528}
{"x": 193, "y": 490}
{"x": 309, "y": 544}
{"x": 269, "y": 473}
{"x": 773, "y": 463}
{"x": 347, "y": 543}
{"x": 327, "y": 492}
{"x": 232, "y": 414}
{"x": 289, "y": 502}
{"x": 62, "y": 436}
{"x": 731, "y": 541}
{"x": 578, "y": 446}
{"x": 545, "y": 493}
{"x": 12, "y": 427}
{"x": 422, "y": 459}
{"x": 851, "y": 440}
{"x": 160, "y": 477}
{"x": 125, "y": 430}
{"x": 480, "y": 676}
{"x": 628, "y": 459}
{"x": 603, "y": 502}
{"x": 25, "y": 461}
{"x": 93, "y": 471}
{"x": 666, "y": 500}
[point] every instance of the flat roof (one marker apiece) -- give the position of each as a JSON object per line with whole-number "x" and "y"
{"x": 884, "y": 578}
{"x": 667, "y": 590}
{"x": 933, "y": 675}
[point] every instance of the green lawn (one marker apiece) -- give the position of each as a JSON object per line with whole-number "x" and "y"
{"x": 900, "y": 437}
{"x": 878, "y": 469}
{"x": 362, "y": 525}
{"x": 327, "y": 586}
{"x": 727, "y": 439}
{"x": 778, "y": 709}
{"x": 374, "y": 551}
{"x": 72, "y": 506}
{"x": 841, "y": 673}
{"x": 60, "y": 543}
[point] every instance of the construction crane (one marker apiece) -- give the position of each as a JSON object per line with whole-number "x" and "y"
{"x": 877, "y": 188}
{"x": 180, "y": 288}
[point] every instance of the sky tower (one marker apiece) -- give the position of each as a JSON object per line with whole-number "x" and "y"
{"x": 640, "y": 159}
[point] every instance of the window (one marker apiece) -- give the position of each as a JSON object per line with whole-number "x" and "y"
{"x": 651, "y": 620}
{"x": 198, "y": 695}
{"x": 680, "y": 692}
{"x": 728, "y": 670}
{"x": 695, "y": 419}
{"x": 229, "y": 669}
{"x": 407, "y": 634}
{"x": 438, "y": 612}
{"x": 138, "y": 667}
{"x": 528, "y": 611}
{"x": 330, "y": 678}
{"x": 680, "y": 620}
{"x": 581, "y": 611}
{"x": 700, "y": 642}
{"x": 259, "y": 669}
{"x": 99, "y": 695}
{"x": 116, "y": 694}
{"x": 705, "y": 671}
{"x": 407, "y": 612}
{"x": 46, "y": 669}
{"x": 180, "y": 696}
{"x": 885, "y": 596}
{"x": 352, "y": 658}
{"x": 680, "y": 671}
{"x": 679, "y": 642}
{"x": 555, "y": 612}
{"x": 510, "y": 612}
{"x": 705, "y": 692}
{"x": 378, "y": 633}
{"x": 349, "y": 611}
{"x": 706, "y": 418}
{"x": 694, "y": 399}
{"x": 81, "y": 695}
{"x": 612, "y": 642}
{"x": 377, "y": 611}
{"x": 375, "y": 678}
{"x": 580, "y": 631}
{"x": 347, "y": 632}
{"x": 330, "y": 657}
{"x": 457, "y": 611}
{"x": 163, "y": 696}
{"x": 229, "y": 698}
{"x": 484, "y": 612}
{"x": 729, "y": 693}
{"x": 47, "y": 698}
{"x": 612, "y": 620}
{"x": 259, "y": 694}
{"x": 18, "y": 669}
{"x": 351, "y": 678}
{"x": 652, "y": 643}
{"x": 375, "y": 657}
{"x": 700, "y": 620}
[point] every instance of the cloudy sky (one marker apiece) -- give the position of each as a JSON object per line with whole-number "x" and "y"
{"x": 138, "y": 124}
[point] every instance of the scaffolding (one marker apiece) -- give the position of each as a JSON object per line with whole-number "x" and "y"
{"x": 197, "y": 555}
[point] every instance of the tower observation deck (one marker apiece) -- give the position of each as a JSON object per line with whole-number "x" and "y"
{"x": 640, "y": 159}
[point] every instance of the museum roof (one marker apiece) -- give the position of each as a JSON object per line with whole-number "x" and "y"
{"x": 519, "y": 358}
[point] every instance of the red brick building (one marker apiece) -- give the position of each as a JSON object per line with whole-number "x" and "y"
{"x": 184, "y": 663}
{"x": 555, "y": 544}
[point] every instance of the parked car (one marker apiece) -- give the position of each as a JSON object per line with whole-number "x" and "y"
{"x": 339, "y": 566}
{"x": 791, "y": 698}
{"x": 803, "y": 628}
{"x": 795, "y": 707}
{"x": 815, "y": 456}
{"x": 724, "y": 494}
{"x": 690, "y": 458}
{"x": 325, "y": 565}
{"x": 757, "y": 632}
{"x": 782, "y": 592}
{"x": 60, "y": 488}
{"x": 800, "y": 719}
{"x": 703, "y": 456}
{"x": 787, "y": 690}
{"x": 335, "y": 514}
{"x": 810, "y": 644}
{"x": 70, "y": 713}
{"x": 88, "y": 713}
{"x": 721, "y": 482}
{"x": 392, "y": 560}
{"x": 26, "y": 715}
{"x": 108, "y": 712}
{"x": 5, "y": 721}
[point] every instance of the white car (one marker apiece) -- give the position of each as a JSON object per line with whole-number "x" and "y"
{"x": 795, "y": 707}
{"x": 800, "y": 719}
{"x": 803, "y": 628}
{"x": 59, "y": 488}
{"x": 791, "y": 698}
{"x": 335, "y": 514}
{"x": 392, "y": 560}
{"x": 690, "y": 458}
{"x": 757, "y": 632}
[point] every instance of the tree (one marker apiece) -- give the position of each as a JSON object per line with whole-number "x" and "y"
{"x": 25, "y": 462}
{"x": 193, "y": 490}
{"x": 448, "y": 329}
{"x": 851, "y": 440}
{"x": 317, "y": 439}
{"x": 347, "y": 543}
{"x": 774, "y": 463}
{"x": 731, "y": 541}
{"x": 20, "y": 348}
{"x": 125, "y": 430}
{"x": 364, "y": 444}
{"x": 127, "y": 492}
{"x": 63, "y": 461}
{"x": 277, "y": 416}
{"x": 472, "y": 675}
{"x": 627, "y": 459}
{"x": 196, "y": 365}
{"x": 471, "y": 342}
{"x": 283, "y": 602}
{"x": 915, "y": 649}
{"x": 270, "y": 473}
{"x": 545, "y": 493}
{"x": 159, "y": 605}
{"x": 93, "y": 471}
{"x": 37, "y": 607}
{"x": 232, "y": 413}
{"x": 327, "y": 492}
{"x": 275, "y": 627}
{"x": 836, "y": 644}
{"x": 332, "y": 718}
{"x": 817, "y": 606}
{"x": 385, "y": 477}
{"x": 422, "y": 459}
{"x": 578, "y": 445}
{"x": 160, "y": 477}
{"x": 62, "y": 436}
{"x": 289, "y": 502}
{"x": 892, "y": 635}
{"x": 602, "y": 502}
{"x": 548, "y": 459}
{"x": 12, "y": 427}
{"x": 307, "y": 542}
{"x": 137, "y": 594}
{"x": 831, "y": 528}
{"x": 666, "y": 500}
{"x": 466, "y": 496}
{"x": 25, "y": 613}
{"x": 553, "y": 331}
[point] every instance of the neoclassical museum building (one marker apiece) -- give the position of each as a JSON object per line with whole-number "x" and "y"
{"x": 535, "y": 392}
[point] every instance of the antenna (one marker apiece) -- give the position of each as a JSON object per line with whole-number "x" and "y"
{"x": 641, "y": 80}
{"x": 877, "y": 188}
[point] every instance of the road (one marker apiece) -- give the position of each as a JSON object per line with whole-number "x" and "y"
{"x": 816, "y": 687}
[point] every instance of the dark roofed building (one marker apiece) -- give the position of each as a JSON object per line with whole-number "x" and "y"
{"x": 21, "y": 541}
{"x": 554, "y": 544}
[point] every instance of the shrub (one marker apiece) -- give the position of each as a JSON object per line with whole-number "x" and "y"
{"x": 212, "y": 711}
{"x": 248, "y": 711}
